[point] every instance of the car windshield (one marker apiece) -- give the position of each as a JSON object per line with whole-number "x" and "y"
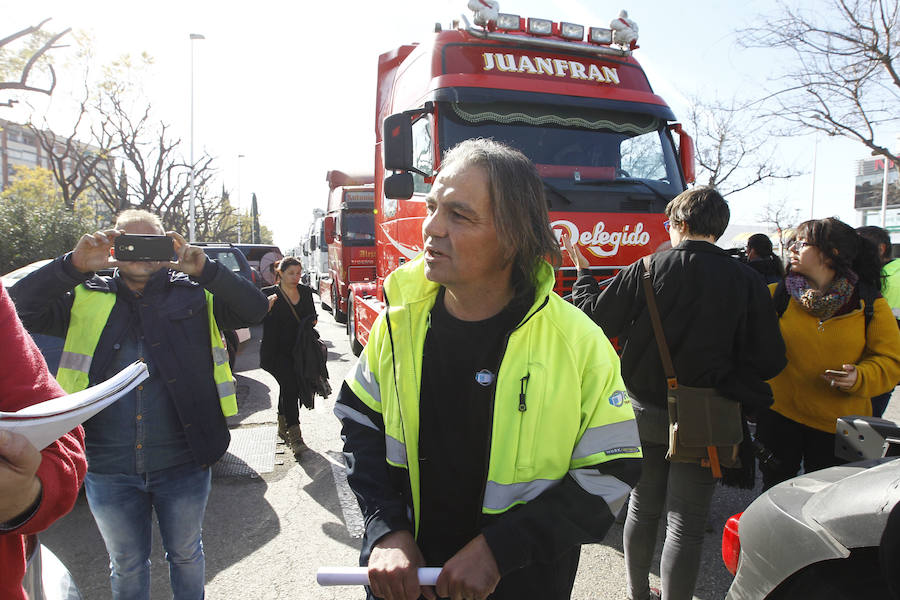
{"x": 573, "y": 145}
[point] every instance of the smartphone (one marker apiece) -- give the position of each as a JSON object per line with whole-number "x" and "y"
{"x": 131, "y": 247}
{"x": 834, "y": 373}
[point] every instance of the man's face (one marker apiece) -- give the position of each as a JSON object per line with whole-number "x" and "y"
{"x": 140, "y": 271}
{"x": 462, "y": 249}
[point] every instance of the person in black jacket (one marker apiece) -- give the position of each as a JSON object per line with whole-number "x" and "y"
{"x": 290, "y": 303}
{"x": 151, "y": 450}
{"x": 722, "y": 332}
{"x": 761, "y": 257}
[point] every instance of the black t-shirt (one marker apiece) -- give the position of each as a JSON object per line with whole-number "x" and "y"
{"x": 459, "y": 372}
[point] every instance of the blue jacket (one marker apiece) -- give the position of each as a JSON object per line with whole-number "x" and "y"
{"x": 176, "y": 329}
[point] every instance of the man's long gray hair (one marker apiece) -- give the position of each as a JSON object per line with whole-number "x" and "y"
{"x": 518, "y": 204}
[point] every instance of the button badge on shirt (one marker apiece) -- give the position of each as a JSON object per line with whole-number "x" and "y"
{"x": 484, "y": 377}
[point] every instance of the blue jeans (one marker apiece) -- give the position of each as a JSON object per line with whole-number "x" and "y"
{"x": 681, "y": 491}
{"x": 122, "y": 506}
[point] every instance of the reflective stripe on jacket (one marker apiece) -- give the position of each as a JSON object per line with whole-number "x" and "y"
{"x": 577, "y": 413}
{"x": 90, "y": 312}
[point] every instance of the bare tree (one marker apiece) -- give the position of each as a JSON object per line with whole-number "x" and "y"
{"x": 782, "y": 217}
{"x": 733, "y": 151}
{"x": 843, "y": 79}
{"x": 18, "y": 67}
{"x": 73, "y": 163}
{"x": 215, "y": 218}
{"x": 158, "y": 178}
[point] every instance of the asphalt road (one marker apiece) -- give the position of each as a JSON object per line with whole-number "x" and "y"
{"x": 266, "y": 534}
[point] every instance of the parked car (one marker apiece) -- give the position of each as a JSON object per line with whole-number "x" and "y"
{"x": 12, "y": 277}
{"x": 818, "y": 535}
{"x": 262, "y": 257}
{"x": 234, "y": 259}
{"x": 49, "y": 345}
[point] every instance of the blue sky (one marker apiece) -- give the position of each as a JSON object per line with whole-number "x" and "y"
{"x": 291, "y": 86}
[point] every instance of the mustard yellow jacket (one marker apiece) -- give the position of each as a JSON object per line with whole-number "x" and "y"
{"x": 802, "y": 395}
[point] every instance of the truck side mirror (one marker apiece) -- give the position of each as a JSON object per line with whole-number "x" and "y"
{"x": 399, "y": 186}
{"x": 398, "y": 143}
{"x": 329, "y": 230}
{"x": 685, "y": 153}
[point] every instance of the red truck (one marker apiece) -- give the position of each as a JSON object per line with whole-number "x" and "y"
{"x": 577, "y": 104}
{"x": 350, "y": 235}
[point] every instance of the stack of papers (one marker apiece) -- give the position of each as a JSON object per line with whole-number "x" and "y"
{"x": 47, "y": 421}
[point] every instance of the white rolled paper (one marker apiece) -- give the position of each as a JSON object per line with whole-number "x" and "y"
{"x": 360, "y": 575}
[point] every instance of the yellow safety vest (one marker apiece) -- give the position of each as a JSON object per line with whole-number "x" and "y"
{"x": 91, "y": 310}
{"x": 577, "y": 415}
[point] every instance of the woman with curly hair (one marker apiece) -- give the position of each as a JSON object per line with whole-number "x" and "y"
{"x": 843, "y": 346}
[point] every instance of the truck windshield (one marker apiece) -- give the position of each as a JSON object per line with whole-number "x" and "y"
{"x": 358, "y": 228}
{"x": 627, "y": 155}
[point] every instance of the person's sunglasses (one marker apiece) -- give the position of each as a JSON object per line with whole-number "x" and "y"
{"x": 798, "y": 245}
{"x": 666, "y": 224}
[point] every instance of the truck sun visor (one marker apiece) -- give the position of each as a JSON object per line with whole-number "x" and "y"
{"x": 562, "y": 116}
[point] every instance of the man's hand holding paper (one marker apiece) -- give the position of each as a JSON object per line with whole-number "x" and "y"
{"x": 19, "y": 485}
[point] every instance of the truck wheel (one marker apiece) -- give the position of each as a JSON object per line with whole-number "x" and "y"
{"x": 355, "y": 346}
{"x": 340, "y": 317}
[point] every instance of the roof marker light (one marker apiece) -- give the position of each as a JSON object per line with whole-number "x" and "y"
{"x": 540, "y": 26}
{"x": 509, "y": 22}
{"x": 599, "y": 35}
{"x": 571, "y": 31}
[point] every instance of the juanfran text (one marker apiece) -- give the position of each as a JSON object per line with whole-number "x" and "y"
{"x": 542, "y": 65}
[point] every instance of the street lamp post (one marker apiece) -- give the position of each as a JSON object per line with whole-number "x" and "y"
{"x": 191, "y": 208}
{"x": 812, "y": 199}
{"x": 240, "y": 156}
{"x": 884, "y": 195}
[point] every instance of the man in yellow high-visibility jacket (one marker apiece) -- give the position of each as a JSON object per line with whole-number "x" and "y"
{"x": 486, "y": 426}
{"x": 890, "y": 289}
{"x": 151, "y": 450}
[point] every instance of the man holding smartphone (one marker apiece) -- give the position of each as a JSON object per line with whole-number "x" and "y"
{"x": 152, "y": 449}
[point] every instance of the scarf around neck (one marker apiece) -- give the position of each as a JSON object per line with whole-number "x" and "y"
{"x": 821, "y": 304}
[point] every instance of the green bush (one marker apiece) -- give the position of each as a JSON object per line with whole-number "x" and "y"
{"x": 35, "y": 223}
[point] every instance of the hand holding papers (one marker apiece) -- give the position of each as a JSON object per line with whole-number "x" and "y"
{"x": 45, "y": 422}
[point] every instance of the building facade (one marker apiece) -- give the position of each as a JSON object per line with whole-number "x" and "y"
{"x": 21, "y": 147}
{"x": 870, "y": 174}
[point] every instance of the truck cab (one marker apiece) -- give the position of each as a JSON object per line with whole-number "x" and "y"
{"x": 571, "y": 98}
{"x": 350, "y": 234}
{"x": 315, "y": 251}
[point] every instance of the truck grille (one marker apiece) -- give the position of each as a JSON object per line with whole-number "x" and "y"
{"x": 361, "y": 274}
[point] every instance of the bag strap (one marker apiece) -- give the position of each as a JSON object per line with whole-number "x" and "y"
{"x": 671, "y": 380}
{"x": 780, "y": 298}
{"x": 868, "y": 295}
{"x": 658, "y": 333}
{"x": 288, "y": 302}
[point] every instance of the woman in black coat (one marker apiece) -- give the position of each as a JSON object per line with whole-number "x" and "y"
{"x": 761, "y": 257}
{"x": 280, "y": 329}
